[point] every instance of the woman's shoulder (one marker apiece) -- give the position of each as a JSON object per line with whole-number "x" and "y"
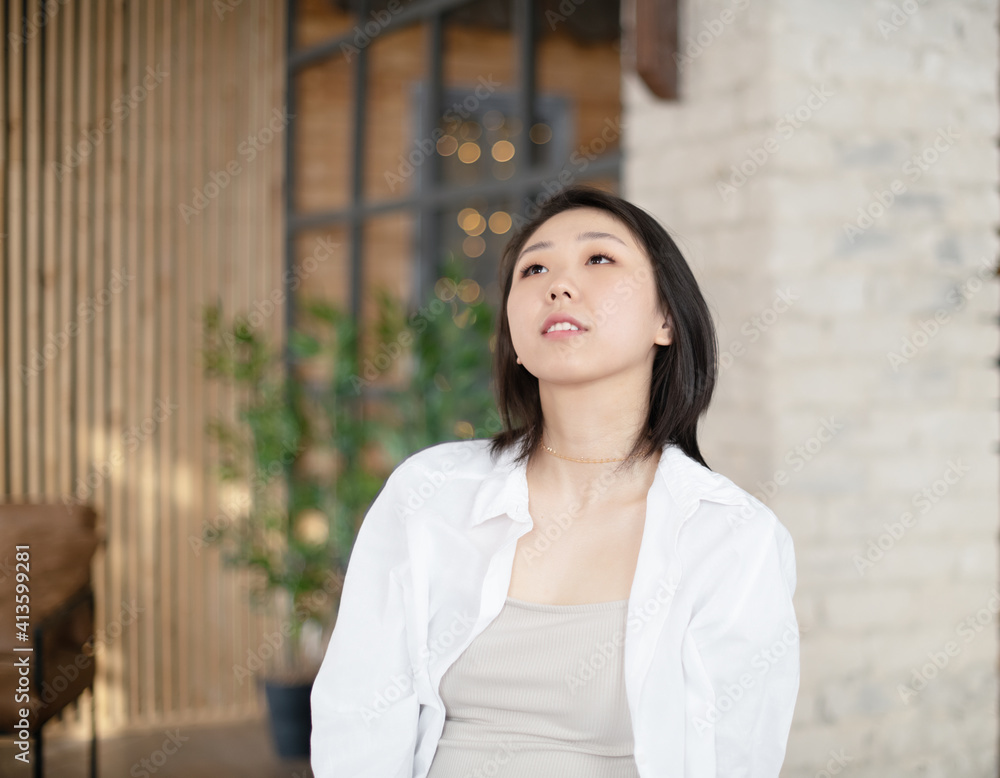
{"x": 444, "y": 479}
{"x": 446, "y": 461}
{"x": 693, "y": 484}
{"x": 728, "y": 522}
{"x": 719, "y": 508}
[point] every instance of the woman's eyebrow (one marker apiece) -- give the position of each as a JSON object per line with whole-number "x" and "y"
{"x": 547, "y": 244}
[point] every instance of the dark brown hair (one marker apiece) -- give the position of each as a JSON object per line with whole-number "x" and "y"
{"x": 684, "y": 372}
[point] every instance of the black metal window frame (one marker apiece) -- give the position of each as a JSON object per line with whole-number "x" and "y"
{"x": 429, "y": 198}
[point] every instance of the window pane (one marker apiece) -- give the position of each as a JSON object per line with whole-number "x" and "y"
{"x": 320, "y": 20}
{"x": 324, "y": 103}
{"x": 465, "y": 169}
{"x": 579, "y": 58}
{"x": 393, "y": 149}
{"x": 322, "y": 266}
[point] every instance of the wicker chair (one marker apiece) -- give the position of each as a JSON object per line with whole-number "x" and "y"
{"x": 61, "y": 541}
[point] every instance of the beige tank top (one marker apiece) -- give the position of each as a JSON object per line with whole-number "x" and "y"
{"x": 540, "y": 692}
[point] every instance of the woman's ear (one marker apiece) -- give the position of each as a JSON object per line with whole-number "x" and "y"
{"x": 665, "y": 335}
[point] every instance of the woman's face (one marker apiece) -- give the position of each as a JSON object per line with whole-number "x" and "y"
{"x": 584, "y": 263}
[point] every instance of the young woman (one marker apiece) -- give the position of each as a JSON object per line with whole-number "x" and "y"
{"x": 580, "y": 595}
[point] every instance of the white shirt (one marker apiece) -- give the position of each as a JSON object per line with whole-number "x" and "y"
{"x": 711, "y": 650}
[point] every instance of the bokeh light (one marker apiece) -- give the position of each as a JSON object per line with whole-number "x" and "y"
{"x": 503, "y": 150}
{"x": 468, "y": 218}
{"x": 493, "y": 120}
{"x": 468, "y": 291}
{"x": 447, "y": 145}
{"x": 445, "y": 289}
{"x": 503, "y": 170}
{"x": 464, "y": 319}
{"x": 540, "y": 133}
{"x": 477, "y": 227}
{"x": 471, "y": 130}
{"x": 473, "y": 246}
{"x": 464, "y": 430}
{"x": 500, "y": 222}
{"x": 469, "y": 152}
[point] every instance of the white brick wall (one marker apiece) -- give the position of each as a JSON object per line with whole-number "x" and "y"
{"x": 910, "y": 283}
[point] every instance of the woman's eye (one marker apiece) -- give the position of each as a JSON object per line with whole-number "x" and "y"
{"x": 528, "y": 270}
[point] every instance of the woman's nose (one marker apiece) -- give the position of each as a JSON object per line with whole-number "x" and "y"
{"x": 561, "y": 285}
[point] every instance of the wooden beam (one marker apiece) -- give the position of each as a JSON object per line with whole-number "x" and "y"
{"x": 655, "y": 44}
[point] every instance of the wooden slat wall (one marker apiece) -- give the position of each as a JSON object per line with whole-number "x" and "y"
{"x": 102, "y": 284}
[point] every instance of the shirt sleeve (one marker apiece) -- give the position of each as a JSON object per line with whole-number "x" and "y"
{"x": 746, "y": 644}
{"x": 364, "y": 705}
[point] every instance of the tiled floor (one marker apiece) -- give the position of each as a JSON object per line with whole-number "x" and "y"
{"x": 240, "y": 751}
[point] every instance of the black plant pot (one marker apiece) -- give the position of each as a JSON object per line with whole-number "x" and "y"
{"x": 291, "y": 718}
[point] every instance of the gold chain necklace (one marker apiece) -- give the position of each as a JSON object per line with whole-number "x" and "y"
{"x": 572, "y": 459}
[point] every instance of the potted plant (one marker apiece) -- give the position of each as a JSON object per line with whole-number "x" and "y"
{"x": 317, "y": 431}
{"x": 304, "y": 483}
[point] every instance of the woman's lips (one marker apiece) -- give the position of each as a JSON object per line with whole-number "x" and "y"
{"x": 560, "y": 334}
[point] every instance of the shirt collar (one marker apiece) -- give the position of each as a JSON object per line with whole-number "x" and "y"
{"x": 505, "y": 489}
